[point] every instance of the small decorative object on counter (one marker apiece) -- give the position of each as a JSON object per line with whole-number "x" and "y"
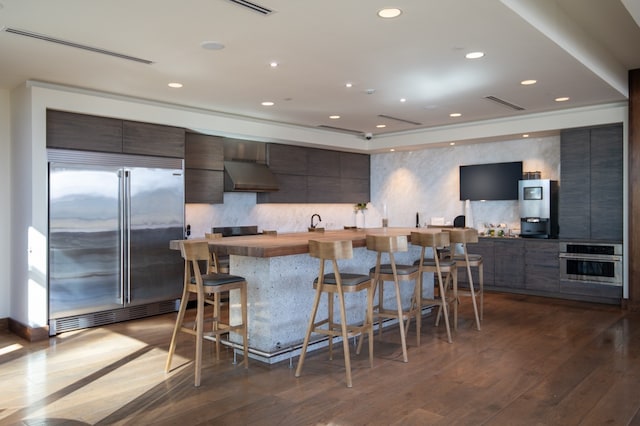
{"x": 359, "y": 218}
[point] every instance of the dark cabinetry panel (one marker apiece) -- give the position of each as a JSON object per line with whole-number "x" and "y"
{"x": 590, "y": 205}
{"x": 204, "y": 169}
{"x": 152, "y": 139}
{"x": 90, "y": 133}
{"x": 542, "y": 267}
{"x": 203, "y": 186}
{"x": 484, "y": 247}
{"x": 508, "y": 266}
{"x": 203, "y": 152}
{"x": 69, "y": 130}
{"x": 310, "y": 175}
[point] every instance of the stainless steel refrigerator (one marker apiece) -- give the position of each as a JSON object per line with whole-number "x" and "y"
{"x": 111, "y": 218}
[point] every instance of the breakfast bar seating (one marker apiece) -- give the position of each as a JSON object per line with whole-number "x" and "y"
{"x": 395, "y": 273}
{"x": 466, "y": 260}
{"x": 337, "y": 283}
{"x": 437, "y": 240}
{"x": 208, "y": 288}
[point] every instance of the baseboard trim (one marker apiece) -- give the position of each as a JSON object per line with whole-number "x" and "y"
{"x": 4, "y": 325}
{"x": 32, "y": 334}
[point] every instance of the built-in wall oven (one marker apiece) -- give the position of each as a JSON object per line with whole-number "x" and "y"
{"x": 599, "y": 263}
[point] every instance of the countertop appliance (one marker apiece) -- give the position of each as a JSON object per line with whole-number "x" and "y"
{"x": 235, "y": 231}
{"x": 111, "y": 217}
{"x": 538, "y": 205}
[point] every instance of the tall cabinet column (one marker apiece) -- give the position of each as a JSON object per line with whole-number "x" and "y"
{"x": 633, "y": 303}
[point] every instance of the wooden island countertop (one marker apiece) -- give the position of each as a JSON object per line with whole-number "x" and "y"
{"x": 290, "y": 243}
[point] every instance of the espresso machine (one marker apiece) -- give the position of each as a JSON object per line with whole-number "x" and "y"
{"x": 538, "y": 204}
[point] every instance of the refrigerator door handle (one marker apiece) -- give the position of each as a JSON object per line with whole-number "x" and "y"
{"x": 126, "y": 255}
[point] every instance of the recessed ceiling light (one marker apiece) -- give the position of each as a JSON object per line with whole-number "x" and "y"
{"x": 175, "y": 85}
{"x": 390, "y": 12}
{"x": 381, "y": 126}
{"x": 455, "y": 114}
{"x": 452, "y": 143}
{"x": 525, "y": 135}
{"x": 212, "y": 45}
{"x": 273, "y": 64}
{"x": 403, "y": 100}
{"x": 528, "y": 82}
{"x": 562, "y": 99}
{"x": 268, "y": 103}
{"x": 349, "y": 85}
{"x": 474, "y": 55}
{"x": 392, "y": 150}
{"x": 334, "y": 117}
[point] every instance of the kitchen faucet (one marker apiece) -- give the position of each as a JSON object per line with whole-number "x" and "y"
{"x": 319, "y": 220}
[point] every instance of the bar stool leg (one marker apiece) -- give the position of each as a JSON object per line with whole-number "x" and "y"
{"x": 314, "y": 311}
{"x": 179, "y": 320}
{"x": 245, "y": 314}
{"x": 473, "y": 295}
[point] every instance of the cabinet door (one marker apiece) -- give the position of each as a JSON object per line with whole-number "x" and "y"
{"x": 354, "y": 165}
{"x": 542, "y": 266}
{"x": 606, "y": 183}
{"x": 575, "y": 189}
{"x": 323, "y": 162}
{"x": 83, "y": 132}
{"x": 203, "y": 186}
{"x": 509, "y": 263}
{"x": 287, "y": 159}
{"x": 203, "y": 152}
{"x": 292, "y": 189}
{"x": 152, "y": 139}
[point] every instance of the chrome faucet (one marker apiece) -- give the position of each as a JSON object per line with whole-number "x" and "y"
{"x": 319, "y": 220}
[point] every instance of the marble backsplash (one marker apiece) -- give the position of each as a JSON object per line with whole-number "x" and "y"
{"x": 424, "y": 181}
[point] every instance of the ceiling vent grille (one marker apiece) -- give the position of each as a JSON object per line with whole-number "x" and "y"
{"x": 73, "y": 44}
{"x": 340, "y": 129}
{"x": 402, "y": 120}
{"x": 253, "y": 6}
{"x": 504, "y": 103}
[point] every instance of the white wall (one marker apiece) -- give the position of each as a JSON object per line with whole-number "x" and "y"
{"x": 5, "y": 200}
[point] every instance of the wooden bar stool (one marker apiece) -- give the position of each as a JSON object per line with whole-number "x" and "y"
{"x": 391, "y": 272}
{"x": 207, "y": 287}
{"x": 336, "y": 283}
{"x": 219, "y": 263}
{"x": 437, "y": 240}
{"x": 466, "y": 260}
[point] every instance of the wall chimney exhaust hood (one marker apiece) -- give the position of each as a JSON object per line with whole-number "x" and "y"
{"x": 247, "y": 176}
{"x": 245, "y": 167}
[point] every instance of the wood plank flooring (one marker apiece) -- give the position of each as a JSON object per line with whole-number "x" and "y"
{"x": 537, "y": 361}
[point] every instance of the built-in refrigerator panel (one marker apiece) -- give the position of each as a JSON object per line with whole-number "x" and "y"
{"x": 84, "y": 239}
{"x": 111, "y": 218}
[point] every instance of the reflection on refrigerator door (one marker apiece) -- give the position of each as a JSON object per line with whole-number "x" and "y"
{"x": 109, "y": 233}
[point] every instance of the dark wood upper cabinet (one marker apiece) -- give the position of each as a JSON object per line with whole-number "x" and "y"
{"x": 203, "y": 152}
{"x": 311, "y": 175}
{"x": 152, "y": 139}
{"x": 68, "y": 130}
{"x": 203, "y": 186}
{"x": 591, "y": 177}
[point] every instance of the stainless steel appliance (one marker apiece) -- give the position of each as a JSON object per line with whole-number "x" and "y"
{"x": 111, "y": 217}
{"x": 538, "y": 205}
{"x": 598, "y": 263}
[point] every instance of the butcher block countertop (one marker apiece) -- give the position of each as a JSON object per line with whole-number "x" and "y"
{"x": 291, "y": 244}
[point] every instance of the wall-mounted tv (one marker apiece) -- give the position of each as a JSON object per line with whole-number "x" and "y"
{"x": 496, "y": 181}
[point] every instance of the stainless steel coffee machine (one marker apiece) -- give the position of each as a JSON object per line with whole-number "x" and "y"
{"x": 538, "y": 203}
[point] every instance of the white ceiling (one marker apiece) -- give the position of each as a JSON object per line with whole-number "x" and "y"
{"x": 582, "y": 49}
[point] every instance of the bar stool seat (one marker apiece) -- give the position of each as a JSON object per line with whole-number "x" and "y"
{"x": 395, "y": 273}
{"x": 208, "y": 288}
{"x": 337, "y": 284}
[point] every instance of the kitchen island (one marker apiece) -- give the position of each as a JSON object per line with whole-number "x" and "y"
{"x": 280, "y": 273}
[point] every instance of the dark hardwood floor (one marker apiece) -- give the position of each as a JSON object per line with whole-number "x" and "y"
{"x": 537, "y": 361}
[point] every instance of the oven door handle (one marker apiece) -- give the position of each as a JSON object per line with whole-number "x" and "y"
{"x": 591, "y": 257}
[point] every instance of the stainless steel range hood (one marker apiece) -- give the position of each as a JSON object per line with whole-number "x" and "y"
{"x": 245, "y": 168}
{"x": 248, "y": 177}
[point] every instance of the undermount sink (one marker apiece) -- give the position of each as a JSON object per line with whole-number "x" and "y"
{"x": 316, "y": 229}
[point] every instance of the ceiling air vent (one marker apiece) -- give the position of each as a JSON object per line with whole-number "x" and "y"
{"x": 340, "y": 129}
{"x": 504, "y": 103}
{"x": 402, "y": 120}
{"x": 253, "y": 6}
{"x": 73, "y": 44}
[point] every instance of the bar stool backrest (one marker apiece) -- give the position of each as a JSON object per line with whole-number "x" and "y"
{"x": 387, "y": 243}
{"x": 331, "y": 249}
{"x": 430, "y": 239}
{"x": 467, "y": 235}
{"x": 194, "y": 252}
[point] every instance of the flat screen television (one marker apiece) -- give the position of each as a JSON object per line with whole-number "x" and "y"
{"x": 496, "y": 181}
